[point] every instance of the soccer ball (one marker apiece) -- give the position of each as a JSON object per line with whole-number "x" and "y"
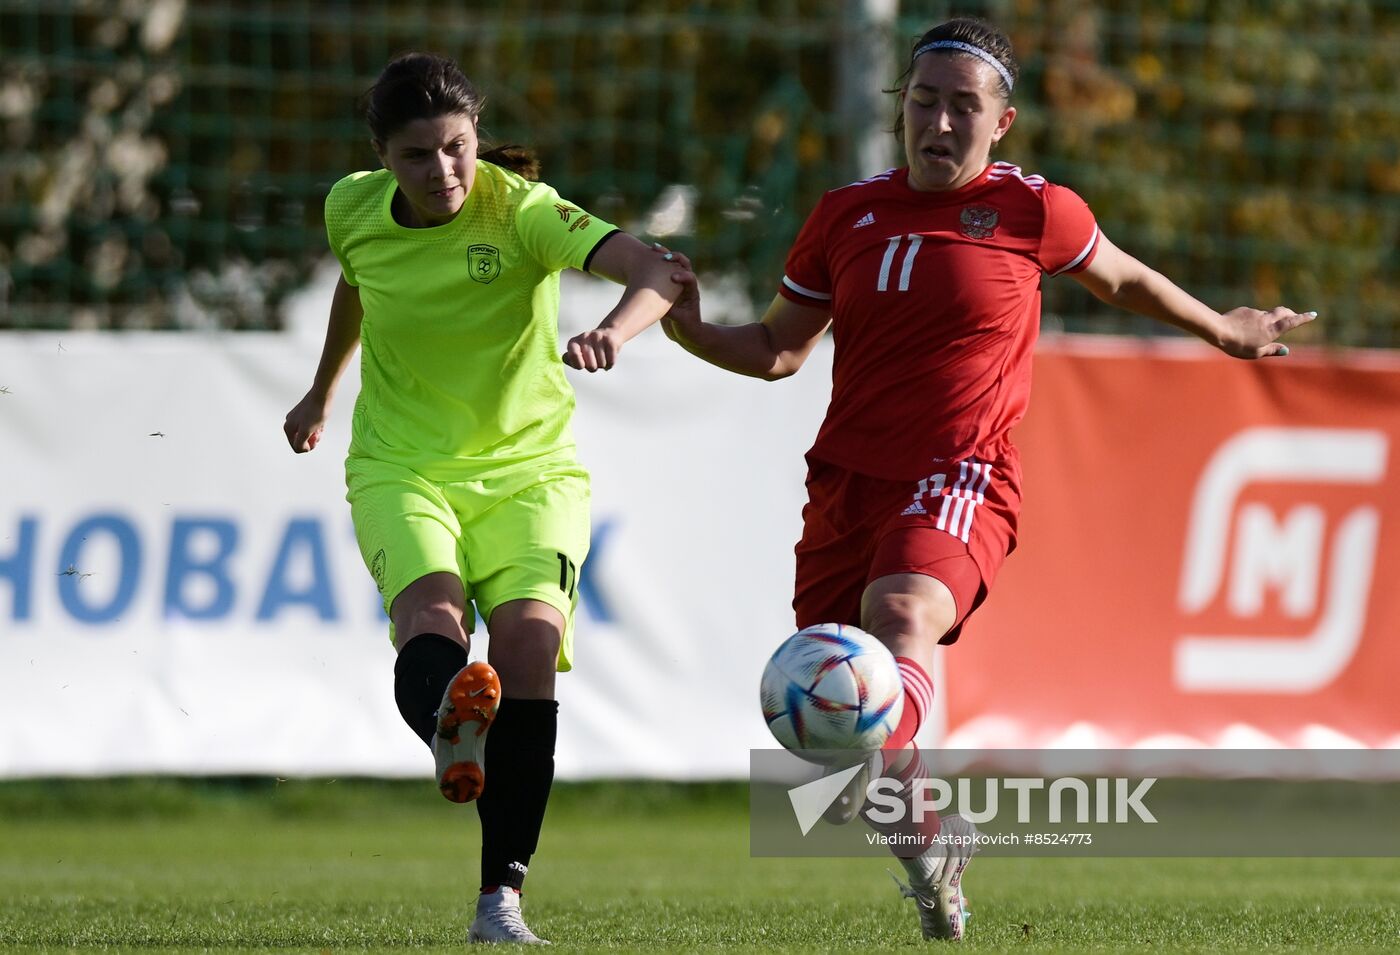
{"x": 832, "y": 689}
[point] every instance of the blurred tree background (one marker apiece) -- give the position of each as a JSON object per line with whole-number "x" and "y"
{"x": 163, "y": 162}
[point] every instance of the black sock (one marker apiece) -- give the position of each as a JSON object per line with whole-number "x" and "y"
{"x": 519, "y": 773}
{"x": 426, "y": 665}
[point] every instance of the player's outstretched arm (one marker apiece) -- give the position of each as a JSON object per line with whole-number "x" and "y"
{"x": 307, "y": 419}
{"x": 770, "y": 349}
{"x": 1119, "y": 279}
{"x": 648, "y": 295}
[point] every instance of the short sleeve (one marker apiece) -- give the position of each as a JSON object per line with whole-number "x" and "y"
{"x": 556, "y": 232}
{"x": 807, "y": 276}
{"x": 333, "y": 219}
{"x": 1071, "y": 235}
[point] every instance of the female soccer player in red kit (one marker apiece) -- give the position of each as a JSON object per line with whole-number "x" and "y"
{"x": 929, "y": 277}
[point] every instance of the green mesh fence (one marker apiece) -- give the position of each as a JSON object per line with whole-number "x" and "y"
{"x": 163, "y": 162}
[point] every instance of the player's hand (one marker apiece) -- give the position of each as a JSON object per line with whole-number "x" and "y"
{"x": 685, "y": 312}
{"x": 305, "y": 423}
{"x": 1251, "y": 333}
{"x": 594, "y": 350}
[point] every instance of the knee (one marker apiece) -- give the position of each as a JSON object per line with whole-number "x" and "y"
{"x": 525, "y": 652}
{"x": 919, "y": 617}
{"x": 428, "y": 617}
{"x": 536, "y": 644}
{"x": 433, "y": 603}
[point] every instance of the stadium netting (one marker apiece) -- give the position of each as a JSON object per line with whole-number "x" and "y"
{"x": 163, "y": 164}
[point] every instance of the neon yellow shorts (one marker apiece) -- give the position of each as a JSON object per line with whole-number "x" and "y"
{"x": 512, "y": 536}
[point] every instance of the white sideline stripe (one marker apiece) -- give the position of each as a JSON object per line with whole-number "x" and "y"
{"x": 942, "y": 524}
{"x": 986, "y": 479}
{"x": 967, "y": 521}
{"x": 824, "y": 296}
{"x": 975, "y": 497}
{"x": 957, "y": 515}
{"x": 1080, "y": 257}
{"x": 963, "y": 498}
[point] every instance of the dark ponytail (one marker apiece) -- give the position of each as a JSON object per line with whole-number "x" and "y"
{"x": 520, "y": 160}
{"x": 424, "y": 86}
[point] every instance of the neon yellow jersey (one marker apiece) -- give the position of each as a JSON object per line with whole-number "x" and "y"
{"x": 460, "y": 367}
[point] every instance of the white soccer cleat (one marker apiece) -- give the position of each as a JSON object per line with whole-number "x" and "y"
{"x": 935, "y": 880}
{"x": 498, "y": 919}
{"x": 467, "y": 709}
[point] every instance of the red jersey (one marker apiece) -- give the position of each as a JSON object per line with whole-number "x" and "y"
{"x": 935, "y": 303}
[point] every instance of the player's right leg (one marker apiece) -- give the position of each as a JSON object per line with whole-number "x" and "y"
{"x": 935, "y": 880}
{"x": 909, "y": 613}
{"x": 409, "y": 538}
{"x": 449, "y": 702}
{"x": 924, "y": 582}
{"x": 526, "y": 636}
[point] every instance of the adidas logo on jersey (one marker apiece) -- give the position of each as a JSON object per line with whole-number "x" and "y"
{"x": 865, "y": 220}
{"x": 916, "y": 508}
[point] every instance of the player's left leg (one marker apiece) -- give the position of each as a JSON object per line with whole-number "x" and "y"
{"x": 525, "y": 640}
{"x": 935, "y": 880}
{"x": 408, "y": 532}
{"x": 525, "y": 553}
{"x": 448, "y": 701}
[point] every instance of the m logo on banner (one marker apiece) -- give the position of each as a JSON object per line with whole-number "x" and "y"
{"x": 1284, "y": 552}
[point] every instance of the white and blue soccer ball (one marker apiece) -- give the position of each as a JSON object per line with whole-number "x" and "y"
{"x": 830, "y": 690}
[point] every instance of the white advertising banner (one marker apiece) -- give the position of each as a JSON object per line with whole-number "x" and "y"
{"x": 180, "y": 593}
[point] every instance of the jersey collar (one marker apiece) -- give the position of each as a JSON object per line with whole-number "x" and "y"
{"x": 942, "y": 197}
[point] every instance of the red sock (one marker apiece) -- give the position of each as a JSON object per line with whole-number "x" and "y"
{"x": 918, "y": 700}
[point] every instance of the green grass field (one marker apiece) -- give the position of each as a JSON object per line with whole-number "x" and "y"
{"x": 355, "y": 865}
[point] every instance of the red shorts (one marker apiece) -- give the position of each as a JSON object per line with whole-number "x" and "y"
{"x": 956, "y": 525}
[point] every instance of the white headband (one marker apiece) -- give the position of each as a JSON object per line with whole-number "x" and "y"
{"x": 976, "y": 51}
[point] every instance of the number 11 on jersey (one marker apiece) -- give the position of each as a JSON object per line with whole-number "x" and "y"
{"x": 883, "y": 284}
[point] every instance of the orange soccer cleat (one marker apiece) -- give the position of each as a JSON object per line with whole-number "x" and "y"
{"x": 468, "y": 706}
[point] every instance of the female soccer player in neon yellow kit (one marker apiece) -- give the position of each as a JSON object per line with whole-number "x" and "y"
{"x": 463, "y": 482}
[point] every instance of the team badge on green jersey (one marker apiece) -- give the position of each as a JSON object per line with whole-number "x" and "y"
{"x": 484, "y": 262}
